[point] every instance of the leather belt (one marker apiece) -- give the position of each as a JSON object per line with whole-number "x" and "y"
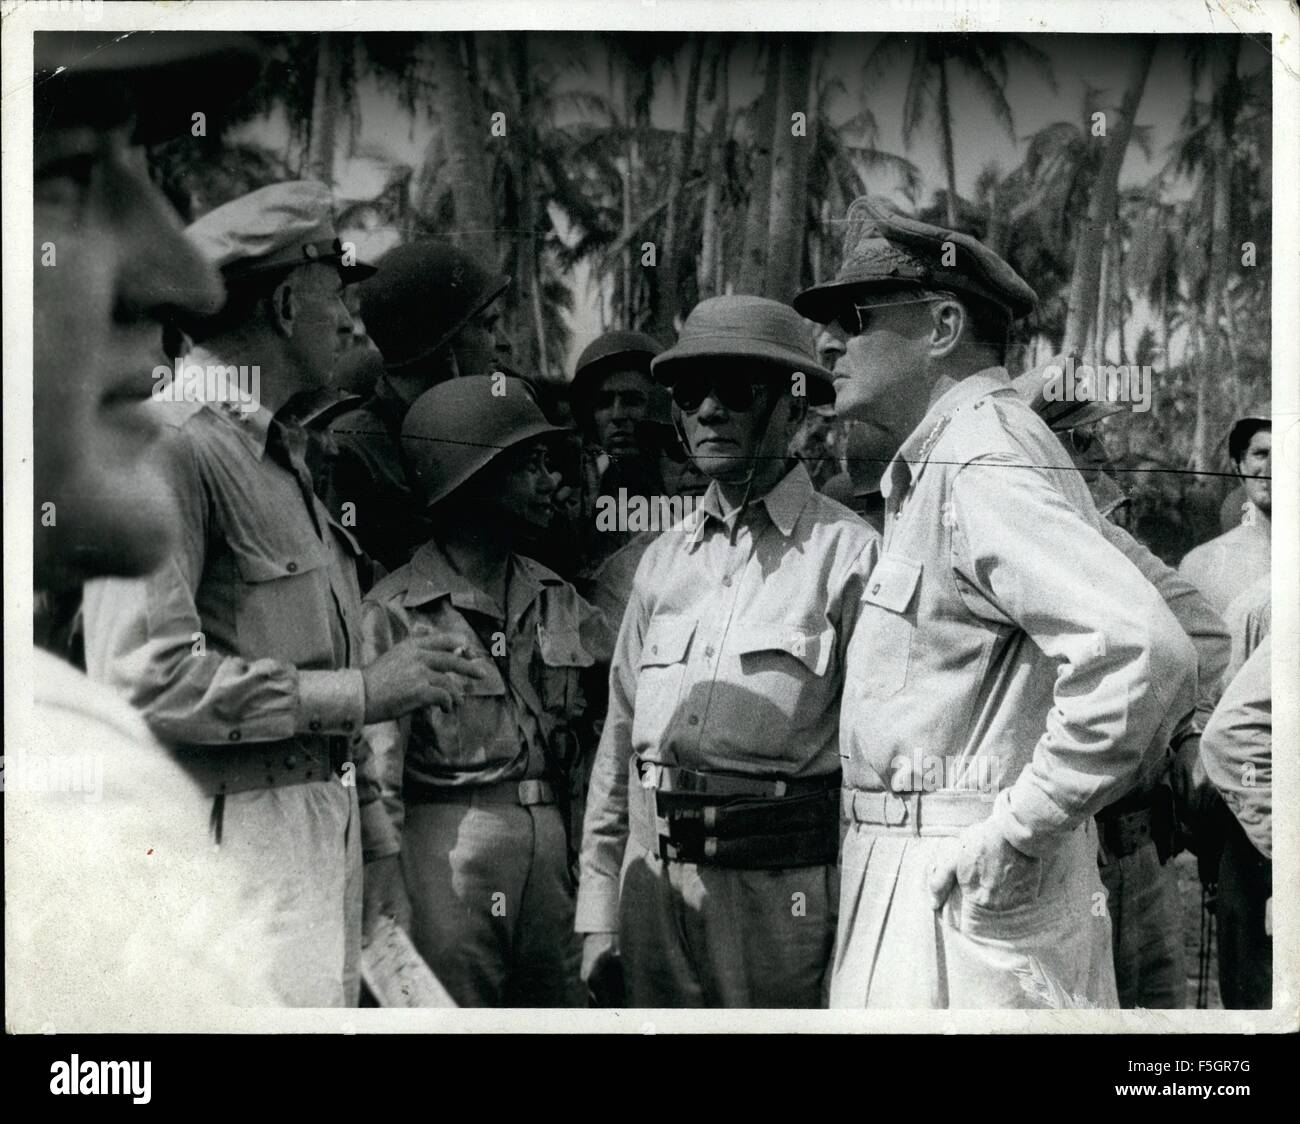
{"x": 224, "y": 770}
{"x": 736, "y": 821}
{"x": 675, "y": 779}
{"x": 914, "y": 813}
{"x": 527, "y": 794}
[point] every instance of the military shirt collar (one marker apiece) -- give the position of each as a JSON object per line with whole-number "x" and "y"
{"x": 434, "y": 577}
{"x": 253, "y": 427}
{"x": 915, "y": 451}
{"x": 784, "y": 504}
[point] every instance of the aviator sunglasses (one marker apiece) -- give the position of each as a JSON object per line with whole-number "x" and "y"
{"x": 854, "y": 319}
{"x": 731, "y": 393}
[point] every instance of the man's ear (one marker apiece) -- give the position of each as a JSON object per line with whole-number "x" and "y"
{"x": 949, "y": 320}
{"x": 283, "y": 307}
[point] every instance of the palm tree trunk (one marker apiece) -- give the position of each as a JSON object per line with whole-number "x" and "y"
{"x": 1081, "y": 306}
{"x": 753, "y": 263}
{"x": 1223, "y": 67}
{"x": 456, "y": 167}
{"x": 945, "y": 131}
{"x": 324, "y": 111}
{"x": 787, "y": 206}
{"x": 666, "y": 295}
{"x": 709, "y": 273}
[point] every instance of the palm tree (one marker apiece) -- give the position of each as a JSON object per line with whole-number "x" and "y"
{"x": 984, "y": 59}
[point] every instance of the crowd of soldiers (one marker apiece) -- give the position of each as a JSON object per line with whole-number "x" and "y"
{"x": 925, "y": 738}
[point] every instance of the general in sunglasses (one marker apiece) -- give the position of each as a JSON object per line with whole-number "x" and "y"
{"x": 708, "y": 870}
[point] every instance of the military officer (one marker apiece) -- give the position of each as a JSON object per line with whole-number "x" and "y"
{"x": 431, "y": 311}
{"x": 475, "y": 796}
{"x": 709, "y": 844}
{"x": 243, "y": 650}
{"x": 1010, "y": 667}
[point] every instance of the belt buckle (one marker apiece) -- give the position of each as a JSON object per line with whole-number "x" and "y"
{"x": 530, "y": 793}
{"x": 648, "y": 774}
{"x": 894, "y": 806}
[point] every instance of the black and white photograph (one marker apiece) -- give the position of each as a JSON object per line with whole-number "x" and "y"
{"x": 673, "y": 517}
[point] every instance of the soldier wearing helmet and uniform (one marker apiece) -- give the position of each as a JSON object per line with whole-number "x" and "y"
{"x": 430, "y": 311}
{"x": 709, "y": 844}
{"x": 475, "y": 794}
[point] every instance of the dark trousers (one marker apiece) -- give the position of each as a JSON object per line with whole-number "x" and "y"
{"x": 1245, "y": 950}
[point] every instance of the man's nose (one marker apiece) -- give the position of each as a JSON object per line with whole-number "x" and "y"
{"x": 549, "y": 481}
{"x": 163, "y": 277}
{"x": 711, "y": 407}
{"x": 344, "y": 318}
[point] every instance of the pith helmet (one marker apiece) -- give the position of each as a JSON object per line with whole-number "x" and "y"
{"x": 747, "y": 327}
{"x": 424, "y": 293}
{"x": 457, "y": 427}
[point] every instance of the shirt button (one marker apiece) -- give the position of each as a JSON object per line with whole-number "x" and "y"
{"x": 875, "y": 588}
{"x": 694, "y": 720}
{"x": 708, "y": 652}
{"x": 292, "y": 567}
{"x": 235, "y": 735}
{"x": 314, "y": 724}
{"x": 290, "y": 761}
{"x": 347, "y": 723}
{"x": 726, "y": 582}
{"x": 654, "y": 649}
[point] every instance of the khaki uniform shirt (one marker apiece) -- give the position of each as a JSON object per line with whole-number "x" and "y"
{"x": 514, "y": 725}
{"x": 1224, "y": 566}
{"x": 1237, "y": 747}
{"x": 251, "y": 629}
{"x": 730, "y": 658}
{"x": 1004, "y": 645}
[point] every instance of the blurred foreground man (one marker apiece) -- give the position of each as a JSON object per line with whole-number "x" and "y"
{"x": 475, "y": 793}
{"x": 1009, "y": 669}
{"x": 1225, "y": 566}
{"x": 112, "y": 915}
{"x": 710, "y": 839}
{"x": 243, "y": 650}
{"x": 431, "y": 312}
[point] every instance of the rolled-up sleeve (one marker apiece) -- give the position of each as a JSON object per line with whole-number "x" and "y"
{"x": 144, "y": 636}
{"x": 605, "y": 824}
{"x": 1126, "y": 673}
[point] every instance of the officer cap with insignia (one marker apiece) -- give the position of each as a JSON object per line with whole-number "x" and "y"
{"x": 274, "y": 229}
{"x": 887, "y": 252}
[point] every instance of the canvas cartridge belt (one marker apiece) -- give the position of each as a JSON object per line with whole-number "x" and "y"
{"x": 729, "y": 820}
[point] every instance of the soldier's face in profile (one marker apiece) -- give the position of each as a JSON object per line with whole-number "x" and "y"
{"x": 481, "y": 343}
{"x": 878, "y": 373}
{"x": 521, "y": 486}
{"x": 1256, "y": 465}
{"x": 111, "y": 265}
{"x": 620, "y": 402}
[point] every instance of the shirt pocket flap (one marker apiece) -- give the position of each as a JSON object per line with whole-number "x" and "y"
{"x": 810, "y": 647}
{"x": 562, "y": 647}
{"x": 256, "y": 565}
{"x": 666, "y": 641}
{"x": 893, "y": 582}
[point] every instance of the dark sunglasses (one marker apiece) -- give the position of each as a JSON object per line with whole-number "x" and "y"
{"x": 1081, "y": 440}
{"x": 690, "y": 391}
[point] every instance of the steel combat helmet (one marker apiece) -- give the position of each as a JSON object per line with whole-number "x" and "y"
{"x": 456, "y": 428}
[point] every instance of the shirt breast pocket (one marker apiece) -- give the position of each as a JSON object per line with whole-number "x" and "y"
{"x": 661, "y": 672}
{"x": 563, "y": 656}
{"x": 888, "y": 618}
{"x": 477, "y": 734}
{"x": 280, "y": 612}
{"x": 784, "y": 675}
